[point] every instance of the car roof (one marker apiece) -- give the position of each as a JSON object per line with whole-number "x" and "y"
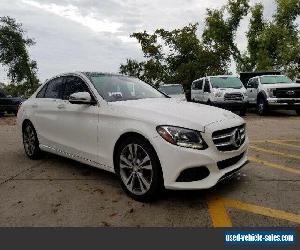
{"x": 85, "y": 73}
{"x": 216, "y": 76}
{"x": 266, "y": 75}
{"x": 90, "y": 73}
{"x": 224, "y": 76}
{"x": 171, "y": 84}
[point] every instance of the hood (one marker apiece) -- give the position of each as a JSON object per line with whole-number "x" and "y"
{"x": 282, "y": 85}
{"x": 169, "y": 111}
{"x": 179, "y": 97}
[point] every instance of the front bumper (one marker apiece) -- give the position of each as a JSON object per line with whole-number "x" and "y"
{"x": 175, "y": 159}
{"x": 232, "y": 105}
{"x": 284, "y": 103}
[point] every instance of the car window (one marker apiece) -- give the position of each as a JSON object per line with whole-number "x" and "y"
{"x": 122, "y": 88}
{"x": 54, "y": 88}
{"x": 200, "y": 84}
{"x": 74, "y": 84}
{"x": 255, "y": 82}
{"x": 171, "y": 89}
{"x": 41, "y": 93}
{"x": 206, "y": 86}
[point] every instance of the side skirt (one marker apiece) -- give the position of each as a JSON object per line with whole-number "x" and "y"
{"x": 76, "y": 158}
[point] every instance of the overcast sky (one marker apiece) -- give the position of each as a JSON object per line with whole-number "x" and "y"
{"x": 75, "y": 35}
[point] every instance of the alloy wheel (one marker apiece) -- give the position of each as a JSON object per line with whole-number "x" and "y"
{"x": 29, "y": 140}
{"x": 136, "y": 169}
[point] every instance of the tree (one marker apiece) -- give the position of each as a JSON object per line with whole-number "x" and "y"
{"x": 274, "y": 44}
{"x": 180, "y": 56}
{"x": 14, "y": 53}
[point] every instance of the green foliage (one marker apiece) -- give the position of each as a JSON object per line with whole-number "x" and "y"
{"x": 13, "y": 51}
{"x": 24, "y": 89}
{"x": 274, "y": 44}
{"x": 180, "y": 56}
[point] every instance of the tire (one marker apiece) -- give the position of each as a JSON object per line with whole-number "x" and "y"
{"x": 31, "y": 142}
{"x": 262, "y": 106}
{"x": 139, "y": 170}
{"x": 243, "y": 111}
{"x": 1, "y": 114}
{"x": 298, "y": 111}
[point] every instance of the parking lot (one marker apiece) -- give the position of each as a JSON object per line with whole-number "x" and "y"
{"x": 60, "y": 192}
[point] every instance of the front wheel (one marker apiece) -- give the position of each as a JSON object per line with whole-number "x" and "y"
{"x": 31, "y": 142}
{"x": 298, "y": 111}
{"x": 139, "y": 170}
{"x": 262, "y": 107}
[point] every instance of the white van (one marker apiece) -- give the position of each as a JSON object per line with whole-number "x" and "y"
{"x": 225, "y": 91}
{"x": 173, "y": 90}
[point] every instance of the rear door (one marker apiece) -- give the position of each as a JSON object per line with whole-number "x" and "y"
{"x": 78, "y": 123}
{"x": 45, "y": 108}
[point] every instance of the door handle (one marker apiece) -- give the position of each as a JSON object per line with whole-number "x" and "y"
{"x": 61, "y": 106}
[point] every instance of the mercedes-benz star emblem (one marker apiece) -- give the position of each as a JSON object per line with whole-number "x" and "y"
{"x": 237, "y": 138}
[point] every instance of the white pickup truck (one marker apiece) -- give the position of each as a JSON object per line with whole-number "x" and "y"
{"x": 273, "y": 92}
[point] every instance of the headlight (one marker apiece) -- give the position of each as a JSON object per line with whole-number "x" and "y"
{"x": 182, "y": 137}
{"x": 270, "y": 92}
{"x": 218, "y": 94}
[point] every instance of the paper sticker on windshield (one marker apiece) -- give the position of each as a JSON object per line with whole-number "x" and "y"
{"x": 115, "y": 94}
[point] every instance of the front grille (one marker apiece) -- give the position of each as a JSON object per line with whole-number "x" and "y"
{"x": 287, "y": 93}
{"x": 233, "y": 97}
{"x": 229, "y": 162}
{"x": 229, "y": 139}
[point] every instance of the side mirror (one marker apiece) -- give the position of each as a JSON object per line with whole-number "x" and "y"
{"x": 80, "y": 98}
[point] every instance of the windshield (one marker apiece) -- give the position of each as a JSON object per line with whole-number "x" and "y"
{"x": 171, "y": 89}
{"x": 226, "y": 82}
{"x": 122, "y": 88}
{"x": 274, "y": 79}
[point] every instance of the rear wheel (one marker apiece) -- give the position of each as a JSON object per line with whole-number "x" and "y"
{"x": 31, "y": 142}
{"x": 298, "y": 111}
{"x": 139, "y": 170}
{"x": 262, "y": 107}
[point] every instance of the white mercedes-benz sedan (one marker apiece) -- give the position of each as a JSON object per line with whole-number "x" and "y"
{"x": 126, "y": 126}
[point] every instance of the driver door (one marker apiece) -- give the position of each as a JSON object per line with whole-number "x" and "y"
{"x": 252, "y": 90}
{"x": 78, "y": 123}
